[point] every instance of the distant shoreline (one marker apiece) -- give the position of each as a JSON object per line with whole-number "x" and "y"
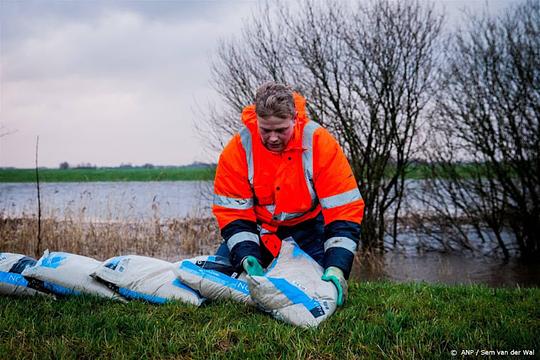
{"x": 109, "y": 174}
{"x": 204, "y": 172}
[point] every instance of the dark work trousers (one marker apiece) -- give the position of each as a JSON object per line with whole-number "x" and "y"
{"x": 309, "y": 235}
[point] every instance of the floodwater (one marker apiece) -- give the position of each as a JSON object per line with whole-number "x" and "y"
{"x": 447, "y": 268}
{"x": 108, "y": 201}
{"x": 164, "y": 200}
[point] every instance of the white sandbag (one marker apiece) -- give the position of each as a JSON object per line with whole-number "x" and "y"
{"x": 214, "y": 278}
{"x": 292, "y": 289}
{"x": 9, "y": 260}
{"x": 146, "y": 278}
{"x": 68, "y": 274}
{"x": 11, "y": 280}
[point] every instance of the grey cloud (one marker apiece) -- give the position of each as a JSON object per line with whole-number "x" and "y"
{"x": 128, "y": 38}
{"x": 18, "y": 15}
{"x": 96, "y": 83}
{"x": 93, "y": 77}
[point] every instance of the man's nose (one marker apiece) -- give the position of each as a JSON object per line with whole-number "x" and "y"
{"x": 273, "y": 137}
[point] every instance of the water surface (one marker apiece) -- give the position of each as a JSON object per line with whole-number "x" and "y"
{"x": 164, "y": 200}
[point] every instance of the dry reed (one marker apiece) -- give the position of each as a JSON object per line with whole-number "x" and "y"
{"x": 170, "y": 240}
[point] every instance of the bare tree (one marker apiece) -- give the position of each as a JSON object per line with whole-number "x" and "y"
{"x": 239, "y": 66}
{"x": 489, "y": 118}
{"x": 368, "y": 74}
{"x": 376, "y": 95}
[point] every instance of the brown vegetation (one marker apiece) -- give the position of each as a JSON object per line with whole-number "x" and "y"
{"x": 169, "y": 240}
{"x": 489, "y": 115}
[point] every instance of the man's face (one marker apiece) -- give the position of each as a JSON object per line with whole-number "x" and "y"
{"x": 275, "y": 132}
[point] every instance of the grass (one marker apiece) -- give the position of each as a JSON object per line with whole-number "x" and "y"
{"x": 380, "y": 320}
{"x": 425, "y": 171}
{"x": 108, "y": 174}
{"x": 414, "y": 172}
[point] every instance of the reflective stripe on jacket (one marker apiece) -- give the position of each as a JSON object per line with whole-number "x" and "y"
{"x": 255, "y": 185}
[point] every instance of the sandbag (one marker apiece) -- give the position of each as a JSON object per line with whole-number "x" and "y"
{"x": 145, "y": 278}
{"x": 15, "y": 263}
{"x": 292, "y": 289}
{"x": 64, "y": 274}
{"x": 11, "y": 280}
{"x": 214, "y": 278}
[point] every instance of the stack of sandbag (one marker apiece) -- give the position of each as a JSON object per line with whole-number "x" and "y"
{"x": 145, "y": 278}
{"x": 292, "y": 289}
{"x": 63, "y": 273}
{"x": 11, "y": 280}
{"x": 214, "y": 278}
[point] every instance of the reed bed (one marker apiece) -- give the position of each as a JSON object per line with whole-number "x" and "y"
{"x": 73, "y": 230}
{"x": 166, "y": 239}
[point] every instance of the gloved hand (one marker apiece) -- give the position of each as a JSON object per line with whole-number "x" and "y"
{"x": 252, "y": 266}
{"x": 335, "y": 275}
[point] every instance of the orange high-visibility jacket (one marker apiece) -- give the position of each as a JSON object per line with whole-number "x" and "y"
{"x": 311, "y": 175}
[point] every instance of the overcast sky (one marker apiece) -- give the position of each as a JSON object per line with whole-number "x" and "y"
{"x": 110, "y": 82}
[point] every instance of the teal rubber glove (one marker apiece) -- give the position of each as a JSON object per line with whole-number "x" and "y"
{"x": 252, "y": 266}
{"x": 335, "y": 275}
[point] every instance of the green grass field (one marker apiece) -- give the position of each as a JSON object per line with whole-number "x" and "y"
{"x": 414, "y": 172}
{"x": 108, "y": 174}
{"x": 381, "y": 320}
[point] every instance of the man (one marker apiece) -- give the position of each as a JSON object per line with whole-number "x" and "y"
{"x": 283, "y": 175}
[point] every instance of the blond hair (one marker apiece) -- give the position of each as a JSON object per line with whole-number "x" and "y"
{"x": 274, "y": 99}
